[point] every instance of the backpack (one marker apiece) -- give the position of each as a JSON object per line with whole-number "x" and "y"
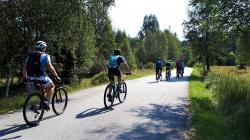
{"x": 158, "y": 64}
{"x": 112, "y": 61}
{"x": 34, "y": 64}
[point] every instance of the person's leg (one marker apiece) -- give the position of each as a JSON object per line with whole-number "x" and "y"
{"x": 49, "y": 90}
{"x": 111, "y": 75}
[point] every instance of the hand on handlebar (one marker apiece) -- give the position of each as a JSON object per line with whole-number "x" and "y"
{"x": 58, "y": 79}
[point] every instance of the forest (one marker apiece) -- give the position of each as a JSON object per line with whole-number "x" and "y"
{"x": 79, "y": 36}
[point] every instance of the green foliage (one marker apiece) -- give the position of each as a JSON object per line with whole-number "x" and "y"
{"x": 207, "y": 122}
{"x": 233, "y": 97}
{"x": 243, "y": 46}
{"x": 149, "y": 65}
{"x": 213, "y": 28}
{"x": 100, "y": 78}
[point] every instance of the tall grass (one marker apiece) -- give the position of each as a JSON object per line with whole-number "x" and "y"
{"x": 232, "y": 93}
{"x": 207, "y": 123}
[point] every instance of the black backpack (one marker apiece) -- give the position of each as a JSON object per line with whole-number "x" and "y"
{"x": 34, "y": 64}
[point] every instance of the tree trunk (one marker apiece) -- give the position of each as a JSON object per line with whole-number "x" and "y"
{"x": 7, "y": 89}
{"x": 207, "y": 63}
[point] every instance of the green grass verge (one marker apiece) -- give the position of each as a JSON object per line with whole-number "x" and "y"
{"x": 15, "y": 103}
{"x": 207, "y": 124}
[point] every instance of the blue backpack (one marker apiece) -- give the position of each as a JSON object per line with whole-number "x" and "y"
{"x": 158, "y": 64}
{"x": 113, "y": 61}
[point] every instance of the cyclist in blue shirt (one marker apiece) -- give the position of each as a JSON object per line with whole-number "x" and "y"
{"x": 35, "y": 67}
{"x": 158, "y": 67}
{"x": 113, "y": 66}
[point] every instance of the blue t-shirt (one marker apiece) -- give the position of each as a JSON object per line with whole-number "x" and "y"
{"x": 44, "y": 59}
{"x": 158, "y": 64}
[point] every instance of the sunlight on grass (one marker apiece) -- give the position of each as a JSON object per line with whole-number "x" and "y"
{"x": 206, "y": 121}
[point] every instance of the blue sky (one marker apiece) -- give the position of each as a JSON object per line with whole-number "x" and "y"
{"x": 127, "y": 15}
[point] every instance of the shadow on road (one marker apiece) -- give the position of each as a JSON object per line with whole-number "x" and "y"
{"x": 18, "y": 127}
{"x": 94, "y": 111}
{"x": 153, "y": 82}
{"x": 160, "y": 122}
{"x": 12, "y": 129}
{"x": 180, "y": 79}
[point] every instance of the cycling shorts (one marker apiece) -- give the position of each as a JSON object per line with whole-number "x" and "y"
{"x": 113, "y": 72}
{"x": 45, "y": 80}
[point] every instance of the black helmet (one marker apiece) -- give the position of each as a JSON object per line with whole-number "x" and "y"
{"x": 117, "y": 51}
{"x": 158, "y": 58}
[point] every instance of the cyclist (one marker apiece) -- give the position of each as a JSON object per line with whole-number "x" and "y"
{"x": 182, "y": 64}
{"x": 178, "y": 67}
{"x": 168, "y": 67}
{"x": 35, "y": 66}
{"x": 113, "y": 67}
{"x": 158, "y": 67}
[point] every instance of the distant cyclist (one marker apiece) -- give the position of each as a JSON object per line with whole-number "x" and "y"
{"x": 35, "y": 66}
{"x": 182, "y": 64}
{"x": 113, "y": 66}
{"x": 158, "y": 67}
{"x": 178, "y": 67}
{"x": 168, "y": 67}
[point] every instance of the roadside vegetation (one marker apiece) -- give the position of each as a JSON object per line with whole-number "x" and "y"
{"x": 220, "y": 103}
{"x": 207, "y": 122}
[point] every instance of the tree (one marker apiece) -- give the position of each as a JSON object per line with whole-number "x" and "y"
{"x": 150, "y": 24}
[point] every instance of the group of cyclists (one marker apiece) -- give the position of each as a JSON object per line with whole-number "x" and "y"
{"x": 38, "y": 61}
{"x": 180, "y": 65}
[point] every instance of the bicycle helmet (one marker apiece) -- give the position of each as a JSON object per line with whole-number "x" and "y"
{"x": 158, "y": 58}
{"x": 40, "y": 45}
{"x": 117, "y": 51}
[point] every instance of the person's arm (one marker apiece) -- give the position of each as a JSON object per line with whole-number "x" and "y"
{"x": 127, "y": 67}
{"x": 52, "y": 69}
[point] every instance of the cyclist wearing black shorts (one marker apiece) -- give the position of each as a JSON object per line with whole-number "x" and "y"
{"x": 168, "y": 67}
{"x": 113, "y": 66}
{"x": 158, "y": 66}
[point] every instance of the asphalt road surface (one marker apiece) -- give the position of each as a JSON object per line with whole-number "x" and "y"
{"x": 152, "y": 111}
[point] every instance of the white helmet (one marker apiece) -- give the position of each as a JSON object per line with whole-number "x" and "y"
{"x": 40, "y": 45}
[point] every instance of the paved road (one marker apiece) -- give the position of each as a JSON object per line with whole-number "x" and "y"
{"x": 153, "y": 110}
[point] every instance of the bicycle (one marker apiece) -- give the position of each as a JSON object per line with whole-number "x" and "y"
{"x": 168, "y": 74}
{"x": 34, "y": 105}
{"x": 180, "y": 72}
{"x": 158, "y": 75}
{"x": 112, "y": 92}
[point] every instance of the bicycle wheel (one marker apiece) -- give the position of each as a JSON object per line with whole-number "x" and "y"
{"x": 108, "y": 96}
{"x": 123, "y": 94}
{"x": 32, "y": 110}
{"x": 59, "y": 101}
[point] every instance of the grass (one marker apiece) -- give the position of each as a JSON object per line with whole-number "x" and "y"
{"x": 207, "y": 123}
{"x": 16, "y": 102}
{"x": 232, "y": 91}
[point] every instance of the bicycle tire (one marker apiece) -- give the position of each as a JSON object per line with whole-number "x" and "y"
{"x": 109, "y": 90}
{"x": 124, "y": 92}
{"x": 34, "y": 110}
{"x": 59, "y": 101}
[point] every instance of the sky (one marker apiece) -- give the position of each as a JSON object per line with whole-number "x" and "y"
{"x": 127, "y": 15}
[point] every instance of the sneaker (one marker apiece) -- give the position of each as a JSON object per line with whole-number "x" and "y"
{"x": 45, "y": 106}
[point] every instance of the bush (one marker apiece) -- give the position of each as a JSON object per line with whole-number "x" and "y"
{"x": 100, "y": 78}
{"x": 149, "y": 65}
